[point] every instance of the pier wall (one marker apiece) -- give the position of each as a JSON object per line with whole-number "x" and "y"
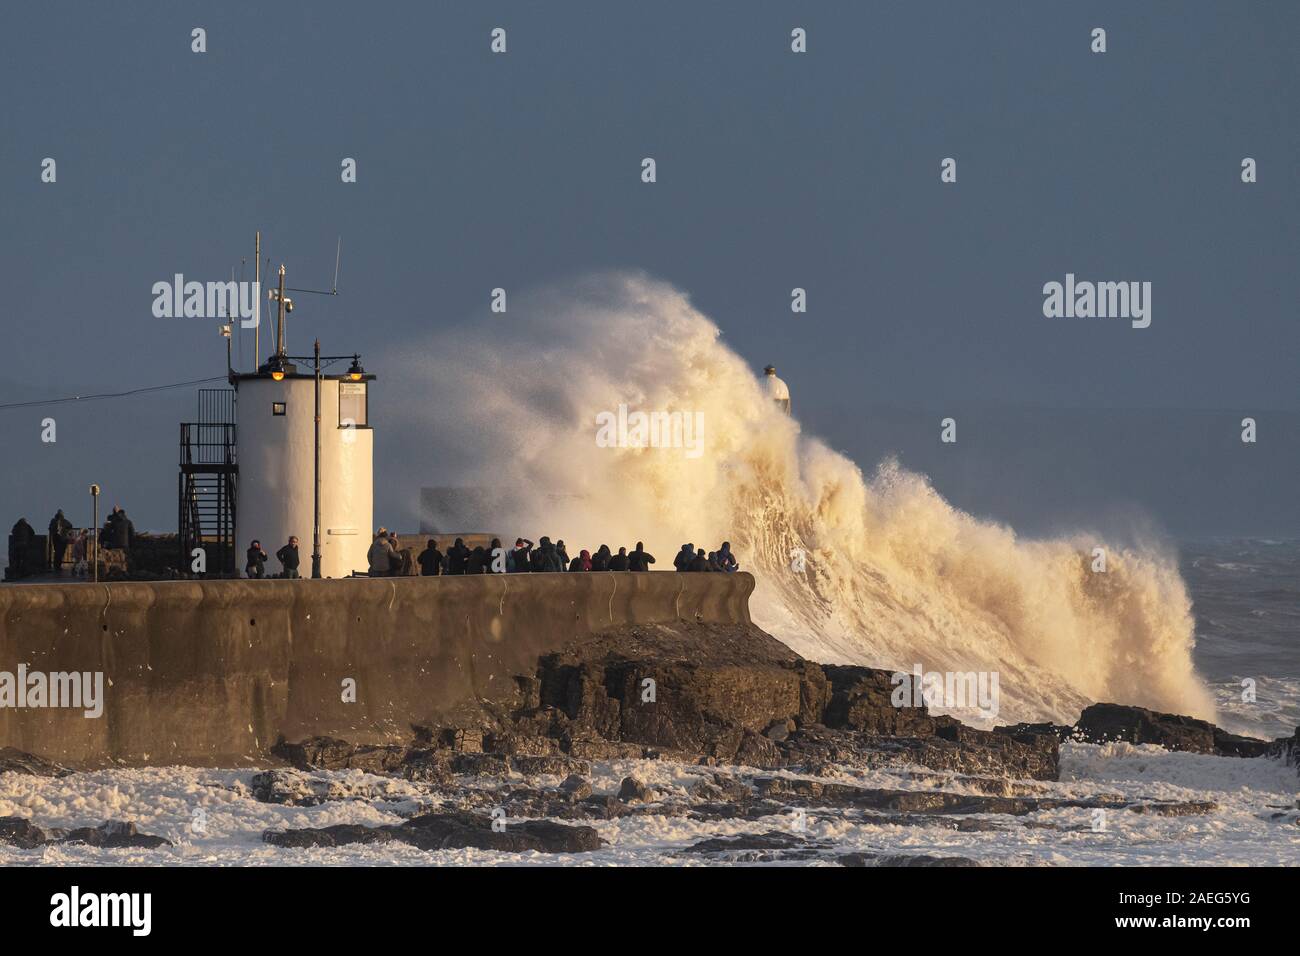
{"x": 211, "y": 673}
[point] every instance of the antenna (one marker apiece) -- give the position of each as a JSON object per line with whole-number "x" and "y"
{"x": 338, "y": 253}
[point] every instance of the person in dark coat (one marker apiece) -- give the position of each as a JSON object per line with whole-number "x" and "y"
{"x": 122, "y": 534}
{"x": 582, "y": 562}
{"x": 640, "y": 559}
{"x": 619, "y": 561}
{"x": 684, "y": 558}
{"x": 546, "y": 558}
{"x": 726, "y": 560}
{"x": 255, "y": 565}
{"x": 21, "y": 537}
{"x": 600, "y": 560}
{"x": 288, "y": 556}
{"x": 477, "y": 562}
{"x": 430, "y": 560}
{"x": 521, "y": 556}
{"x": 700, "y": 562}
{"x": 60, "y": 528}
{"x": 457, "y": 555}
{"x": 563, "y": 553}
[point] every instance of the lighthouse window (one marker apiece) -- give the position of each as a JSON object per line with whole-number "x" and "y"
{"x": 352, "y": 405}
{"x": 277, "y": 408}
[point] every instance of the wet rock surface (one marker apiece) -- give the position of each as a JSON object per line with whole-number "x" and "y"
{"x": 112, "y": 834}
{"x": 449, "y": 831}
{"x": 13, "y": 760}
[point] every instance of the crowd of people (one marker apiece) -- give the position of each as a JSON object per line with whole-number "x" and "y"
{"x": 118, "y": 532}
{"x": 387, "y": 558}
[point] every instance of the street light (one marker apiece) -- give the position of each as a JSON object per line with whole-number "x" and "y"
{"x": 94, "y": 528}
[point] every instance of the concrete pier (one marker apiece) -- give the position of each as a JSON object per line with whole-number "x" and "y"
{"x": 211, "y": 673}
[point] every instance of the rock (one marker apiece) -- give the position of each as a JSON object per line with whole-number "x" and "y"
{"x": 1102, "y": 723}
{"x": 862, "y": 699}
{"x": 1234, "y": 745}
{"x": 1179, "y": 809}
{"x": 339, "y": 835}
{"x": 114, "y": 834}
{"x": 756, "y": 750}
{"x": 21, "y": 832}
{"x": 961, "y": 750}
{"x": 597, "y": 749}
{"x": 463, "y": 740}
{"x": 296, "y": 789}
{"x": 558, "y": 765}
{"x": 480, "y": 764}
{"x": 520, "y": 745}
{"x": 429, "y": 766}
{"x": 769, "y": 847}
{"x": 779, "y": 730}
{"x": 898, "y": 859}
{"x": 1060, "y": 731}
{"x": 315, "y": 753}
{"x": 446, "y": 831}
{"x": 13, "y": 760}
{"x": 576, "y": 787}
{"x": 635, "y": 791}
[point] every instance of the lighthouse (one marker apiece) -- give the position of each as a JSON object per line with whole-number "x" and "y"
{"x": 305, "y": 448}
{"x": 776, "y": 389}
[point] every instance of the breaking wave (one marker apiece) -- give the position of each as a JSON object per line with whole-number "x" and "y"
{"x": 893, "y": 575}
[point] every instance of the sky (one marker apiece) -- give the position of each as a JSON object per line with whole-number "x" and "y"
{"x": 775, "y": 170}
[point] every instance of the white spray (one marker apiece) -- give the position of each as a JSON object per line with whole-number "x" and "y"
{"x": 892, "y": 574}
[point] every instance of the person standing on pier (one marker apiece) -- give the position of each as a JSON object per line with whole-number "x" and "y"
{"x": 288, "y": 556}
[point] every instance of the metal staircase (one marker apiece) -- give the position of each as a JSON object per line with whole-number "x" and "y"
{"x": 208, "y": 476}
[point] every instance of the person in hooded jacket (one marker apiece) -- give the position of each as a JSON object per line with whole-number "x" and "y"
{"x": 726, "y": 560}
{"x": 430, "y": 560}
{"x": 380, "y": 555}
{"x": 563, "y": 552}
{"x": 640, "y": 559}
{"x": 619, "y": 561}
{"x": 700, "y": 562}
{"x": 546, "y": 558}
{"x": 600, "y": 560}
{"x": 60, "y": 528}
{"x": 123, "y": 532}
{"x": 521, "y": 556}
{"x": 684, "y": 558}
{"x": 477, "y": 562}
{"x": 582, "y": 562}
{"x": 457, "y": 555}
{"x": 20, "y": 540}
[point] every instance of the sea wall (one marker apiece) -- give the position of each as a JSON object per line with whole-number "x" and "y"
{"x": 211, "y": 673}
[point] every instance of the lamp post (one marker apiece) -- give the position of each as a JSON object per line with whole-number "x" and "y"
{"x": 315, "y": 527}
{"x": 94, "y": 531}
{"x": 356, "y": 373}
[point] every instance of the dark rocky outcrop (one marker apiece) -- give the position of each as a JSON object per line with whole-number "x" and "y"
{"x": 13, "y": 760}
{"x": 1102, "y": 723}
{"x": 112, "y": 834}
{"x": 449, "y": 831}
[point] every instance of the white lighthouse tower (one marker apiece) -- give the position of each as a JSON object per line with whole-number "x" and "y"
{"x": 776, "y": 389}
{"x": 306, "y": 457}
